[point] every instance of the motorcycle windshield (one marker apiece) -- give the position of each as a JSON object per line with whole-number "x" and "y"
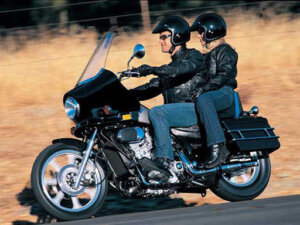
{"x": 97, "y": 61}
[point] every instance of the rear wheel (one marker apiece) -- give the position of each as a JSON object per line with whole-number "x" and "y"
{"x": 53, "y": 175}
{"x": 245, "y": 184}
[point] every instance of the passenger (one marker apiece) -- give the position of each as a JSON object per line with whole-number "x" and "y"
{"x": 217, "y": 95}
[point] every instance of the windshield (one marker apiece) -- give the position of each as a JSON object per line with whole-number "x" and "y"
{"x": 97, "y": 61}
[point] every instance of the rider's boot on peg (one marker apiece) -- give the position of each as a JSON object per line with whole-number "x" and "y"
{"x": 217, "y": 154}
{"x": 158, "y": 168}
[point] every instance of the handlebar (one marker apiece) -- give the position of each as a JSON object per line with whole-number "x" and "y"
{"x": 128, "y": 73}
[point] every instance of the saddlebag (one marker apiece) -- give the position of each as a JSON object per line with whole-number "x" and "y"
{"x": 250, "y": 134}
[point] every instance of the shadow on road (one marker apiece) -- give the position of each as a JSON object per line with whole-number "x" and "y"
{"x": 115, "y": 204}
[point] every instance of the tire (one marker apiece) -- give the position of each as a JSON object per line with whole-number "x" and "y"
{"x": 50, "y": 192}
{"x": 233, "y": 191}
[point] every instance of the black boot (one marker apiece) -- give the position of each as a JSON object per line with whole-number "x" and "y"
{"x": 157, "y": 168}
{"x": 217, "y": 154}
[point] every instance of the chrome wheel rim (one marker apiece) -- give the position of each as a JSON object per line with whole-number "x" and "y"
{"x": 59, "y": 173}
{"x": 243, "y": 177}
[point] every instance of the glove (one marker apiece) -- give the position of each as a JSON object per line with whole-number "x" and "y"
{"x": 195, "y": 96}
{"x": 143, "y": 70}
{"x": 132, "y": 91}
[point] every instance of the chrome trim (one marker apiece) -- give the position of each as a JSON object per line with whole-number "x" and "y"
{"x": 72, "y": 107}
{"x": 197, "y": 183}
{"x": 139, "y": 51}
{"x": 191, "y": 169}
{"x": 61, "y": 177}
{"x": 254, "y": 110}
{"x": 266, "y": 130}
{"x": 240, "y": 133}
{"x": 252, "y": 129}
{"x": 99, "y": 176}
{"x": 243, "y": 138}
{"x": 237, "y": 166}
{"x": 247, "y": 179}
{"x": 140, "y": 134}
{"x": 254, "y": 138}
{"x": 222, "y": 169}
{"x": 143, "y": 178}
{"x": 143, "y": 115}
{"x": 85, "y": 159}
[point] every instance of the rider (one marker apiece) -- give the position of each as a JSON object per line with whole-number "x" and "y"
{"x": 217, "y": 95}
{"x": 177, "y": 81}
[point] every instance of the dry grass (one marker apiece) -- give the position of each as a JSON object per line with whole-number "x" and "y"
{"x": 31, "y": 91}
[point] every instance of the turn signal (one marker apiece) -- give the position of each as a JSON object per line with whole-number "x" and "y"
{"x": 107, "y": 109}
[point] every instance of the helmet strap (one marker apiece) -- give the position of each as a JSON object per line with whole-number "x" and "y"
{"x": 172, "y": 49}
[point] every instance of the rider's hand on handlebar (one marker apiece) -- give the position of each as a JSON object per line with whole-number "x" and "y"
{"x": 129, "y": 73}
{"x": 143, "y": 70}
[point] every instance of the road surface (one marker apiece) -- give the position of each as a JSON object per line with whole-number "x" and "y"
{"x": 271, "y": 211}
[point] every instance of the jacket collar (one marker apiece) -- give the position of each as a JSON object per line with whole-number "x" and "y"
{"x": 179, "y": 53}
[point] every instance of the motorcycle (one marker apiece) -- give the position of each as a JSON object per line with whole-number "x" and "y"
{"x": 70, "y": 178}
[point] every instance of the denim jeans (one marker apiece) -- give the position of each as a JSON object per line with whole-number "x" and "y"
{"x": 164, "y": 117}
{"x": 170, "y": 115}
{"x": 208, "y": 104}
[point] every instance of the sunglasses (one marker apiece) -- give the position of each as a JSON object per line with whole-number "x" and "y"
{"x": 164, "y": 37}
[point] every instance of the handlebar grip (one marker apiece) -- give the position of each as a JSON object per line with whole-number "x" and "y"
{"x": 128, "y": 73}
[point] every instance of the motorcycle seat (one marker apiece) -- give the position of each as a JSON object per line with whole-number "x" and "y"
{"x": 191, "y": 132}
{"x": 234, "y": 111}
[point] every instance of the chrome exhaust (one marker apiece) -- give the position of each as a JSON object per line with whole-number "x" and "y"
{"x": 220, "y": 169}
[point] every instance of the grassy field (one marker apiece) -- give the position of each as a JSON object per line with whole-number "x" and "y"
{"x": 35, "y": 77}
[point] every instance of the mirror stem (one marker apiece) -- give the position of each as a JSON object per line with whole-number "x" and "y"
{"x": 129, "y": 61}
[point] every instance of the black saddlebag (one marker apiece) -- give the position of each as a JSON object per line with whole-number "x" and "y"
{"x": 250, "y": 134}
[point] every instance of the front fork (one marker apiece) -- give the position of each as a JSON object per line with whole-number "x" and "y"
{"x": 86, "y": 157}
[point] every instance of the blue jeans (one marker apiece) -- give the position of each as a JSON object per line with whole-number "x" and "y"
{"x": 208, "y": 104}
{"x": 170, "y": 115}
{"x": 164, "y": 117}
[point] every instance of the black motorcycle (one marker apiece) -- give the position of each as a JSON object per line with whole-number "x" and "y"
{"x": 70, "y": 178}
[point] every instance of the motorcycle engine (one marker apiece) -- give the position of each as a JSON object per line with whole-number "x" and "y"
{"x": 138, "y": 140}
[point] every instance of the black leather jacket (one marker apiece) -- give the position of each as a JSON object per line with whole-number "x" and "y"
{"x": 220, "y": 66}
{"x": 178, "y": 80}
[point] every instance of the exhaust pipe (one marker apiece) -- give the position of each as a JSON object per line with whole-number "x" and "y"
{"x": 221, "y": 169}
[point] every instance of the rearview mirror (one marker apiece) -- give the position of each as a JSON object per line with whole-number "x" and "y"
{"x": 139, "y": 51}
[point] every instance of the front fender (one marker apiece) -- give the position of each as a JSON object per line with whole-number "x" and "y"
{"x": 70, "y": 141}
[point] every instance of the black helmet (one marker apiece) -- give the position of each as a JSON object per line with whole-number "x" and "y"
{"x": 213, "y": 26}
{"x": 178, "y": 27}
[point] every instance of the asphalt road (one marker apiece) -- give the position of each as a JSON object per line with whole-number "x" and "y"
{"x": 271, "y": 211}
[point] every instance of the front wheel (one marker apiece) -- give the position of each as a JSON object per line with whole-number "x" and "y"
{"x": 245, "y": 184}
{"x": 53, "y": 175}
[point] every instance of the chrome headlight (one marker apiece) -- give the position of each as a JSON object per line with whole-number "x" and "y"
{"x": 72, "y": 107}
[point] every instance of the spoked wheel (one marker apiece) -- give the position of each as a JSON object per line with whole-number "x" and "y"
{"x": 53, "y": 175}
{"x": 245, "y": 184}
